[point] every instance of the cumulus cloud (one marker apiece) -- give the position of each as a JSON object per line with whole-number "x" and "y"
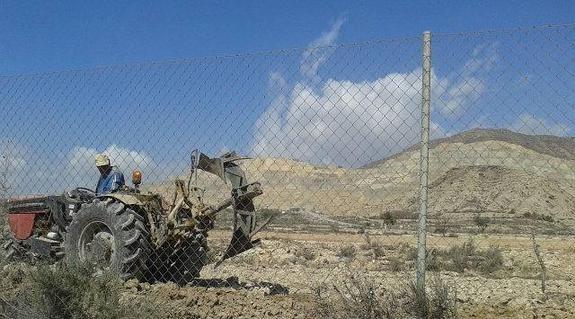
{"x": 81, "y": 169}
{"x": 469, "y": 83}
{"x": 345, "y": 123}
{"x": 528, "y": 123}
{"x": 12, "y": 164}
{"x": 352, "y": 123}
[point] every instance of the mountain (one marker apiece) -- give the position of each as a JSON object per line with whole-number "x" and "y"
{"x": 561, "y": 147}
{"x": 478, "y": 171}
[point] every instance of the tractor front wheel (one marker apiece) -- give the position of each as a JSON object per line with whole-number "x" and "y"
{"x": 109, "y": 236}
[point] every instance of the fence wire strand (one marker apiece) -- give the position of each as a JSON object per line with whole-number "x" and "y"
{"x": 317, "y": 147}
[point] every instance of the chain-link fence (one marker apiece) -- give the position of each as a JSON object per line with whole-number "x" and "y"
{"x": 333, "y": 186}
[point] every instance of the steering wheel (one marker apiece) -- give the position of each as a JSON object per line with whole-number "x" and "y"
{"x": 85, "y": 191}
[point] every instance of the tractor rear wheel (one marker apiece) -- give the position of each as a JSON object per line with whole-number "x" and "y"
{"x": 180, "y": 262}
{"x": 110, "y": 236}
{"x": 187, "y": 260}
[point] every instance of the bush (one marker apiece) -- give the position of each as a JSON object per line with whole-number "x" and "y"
{"x": 347, "y": 251}
{"x": 69, "y": 292}
{"x": 442, "y": 303}
{"x": 460, "y": 256}
{"x": 73, "y": 292}
{"x": 388, "y": 218}
{"x": 393, "y": 216}
{"x": 467, "y": 256}
{"x": 442, "y": 226}
{"x": 396, "y": 264}
{"x": 305, "y": 253}
{"x": 536, "y": 216}
{"x": 492, "y": 260}
{"x": 376, "y": 248}
{"x": 360, "y": 298}
{"x": 481, "y": 222}
{"x": 433, "y": 262}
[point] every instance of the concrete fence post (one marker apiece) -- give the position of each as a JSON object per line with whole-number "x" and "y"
{"x": 424, "y": 165}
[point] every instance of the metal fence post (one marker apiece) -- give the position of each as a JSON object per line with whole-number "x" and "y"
{"x": 424, "y": 164}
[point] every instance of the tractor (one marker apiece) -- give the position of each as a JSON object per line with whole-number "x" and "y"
{"x": 133, "y": 233}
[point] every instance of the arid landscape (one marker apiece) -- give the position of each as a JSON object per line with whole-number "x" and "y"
{"x": 502, "y": 214}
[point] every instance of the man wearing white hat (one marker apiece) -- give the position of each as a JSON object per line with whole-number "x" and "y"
{"x": 111, "y": 179}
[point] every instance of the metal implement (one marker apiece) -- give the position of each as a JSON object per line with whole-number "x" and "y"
{"x": 137, "y": 233}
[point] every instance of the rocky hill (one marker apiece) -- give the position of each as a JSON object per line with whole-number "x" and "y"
{"x": 485, "y": 171}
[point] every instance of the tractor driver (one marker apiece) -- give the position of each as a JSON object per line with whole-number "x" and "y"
{"x": 111, "y": 179}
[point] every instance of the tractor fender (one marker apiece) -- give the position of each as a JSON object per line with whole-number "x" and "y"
{"x": 127, "y": 199}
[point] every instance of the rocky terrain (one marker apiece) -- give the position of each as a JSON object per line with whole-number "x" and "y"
{"x": 335, "y": 225}
{"x": 495, "y": 172}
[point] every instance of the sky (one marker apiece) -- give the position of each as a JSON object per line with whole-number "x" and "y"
{"x": 148, "y": 82}
{"x": 39, "y": 36}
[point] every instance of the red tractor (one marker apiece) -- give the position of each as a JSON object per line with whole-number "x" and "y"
{"x": 133, "y": 233}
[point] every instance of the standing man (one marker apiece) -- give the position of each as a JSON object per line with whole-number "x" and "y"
{"x": 111, "y": 179}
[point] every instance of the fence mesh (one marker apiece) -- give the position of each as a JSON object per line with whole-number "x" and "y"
{"x": 333, "y": 135}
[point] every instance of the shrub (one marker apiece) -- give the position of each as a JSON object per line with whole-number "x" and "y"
{"x": 396, "y": 264}
{"x": 492, "y": 260}
{"x": 442, "y": 301}
{"x": 65, "y": 293}
{"x": 347, "y": 251}
{"x": 411, "y": 253}
{"x": 467, "y": 256}
{"x": 376, "y": 248}
{"x": 73, "y": 292}
{"x": 388, "y": 218}
{"x": 305, "y": 253}
{"x": 536, "y": 216}
{"x": 361, "y": 298}
{"x": 393, "y": 216}
{"x": 442, "y": 226}
{"x": 481, "y": 222}
{"x": 433, "y": 262}
{"x": 460, "y": 256}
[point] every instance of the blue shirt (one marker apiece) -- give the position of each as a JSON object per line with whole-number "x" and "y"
{"x": 110, "y": 182}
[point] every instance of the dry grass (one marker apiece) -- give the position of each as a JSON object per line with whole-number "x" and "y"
{"x": 347, "y": 251}
{"x": 68, "y": 292}
{"x": 362, "y": 299}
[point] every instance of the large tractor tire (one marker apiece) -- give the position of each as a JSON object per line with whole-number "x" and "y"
{"x": 180, "y": 262}
{"x": 110, "y": 236}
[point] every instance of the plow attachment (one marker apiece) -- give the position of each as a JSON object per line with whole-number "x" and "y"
{"x": 242, "y": 196}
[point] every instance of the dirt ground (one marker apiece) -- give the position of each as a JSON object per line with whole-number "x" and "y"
{"x": 282, "y": 277}
{"x": 290, "y": 273}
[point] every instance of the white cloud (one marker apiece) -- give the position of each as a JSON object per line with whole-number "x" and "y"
{"x": 345, "y": 123}
{"x": 470, "y": 81}
{"x": 527, "y": 123}
{"x": 319, "y": 51}
{"x": 352, "y": 123}
{"x": 12, "y": 164}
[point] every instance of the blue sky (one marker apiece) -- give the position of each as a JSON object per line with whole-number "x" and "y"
{"x": 148, "y": 82}
{"x": 39, "y": 36}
